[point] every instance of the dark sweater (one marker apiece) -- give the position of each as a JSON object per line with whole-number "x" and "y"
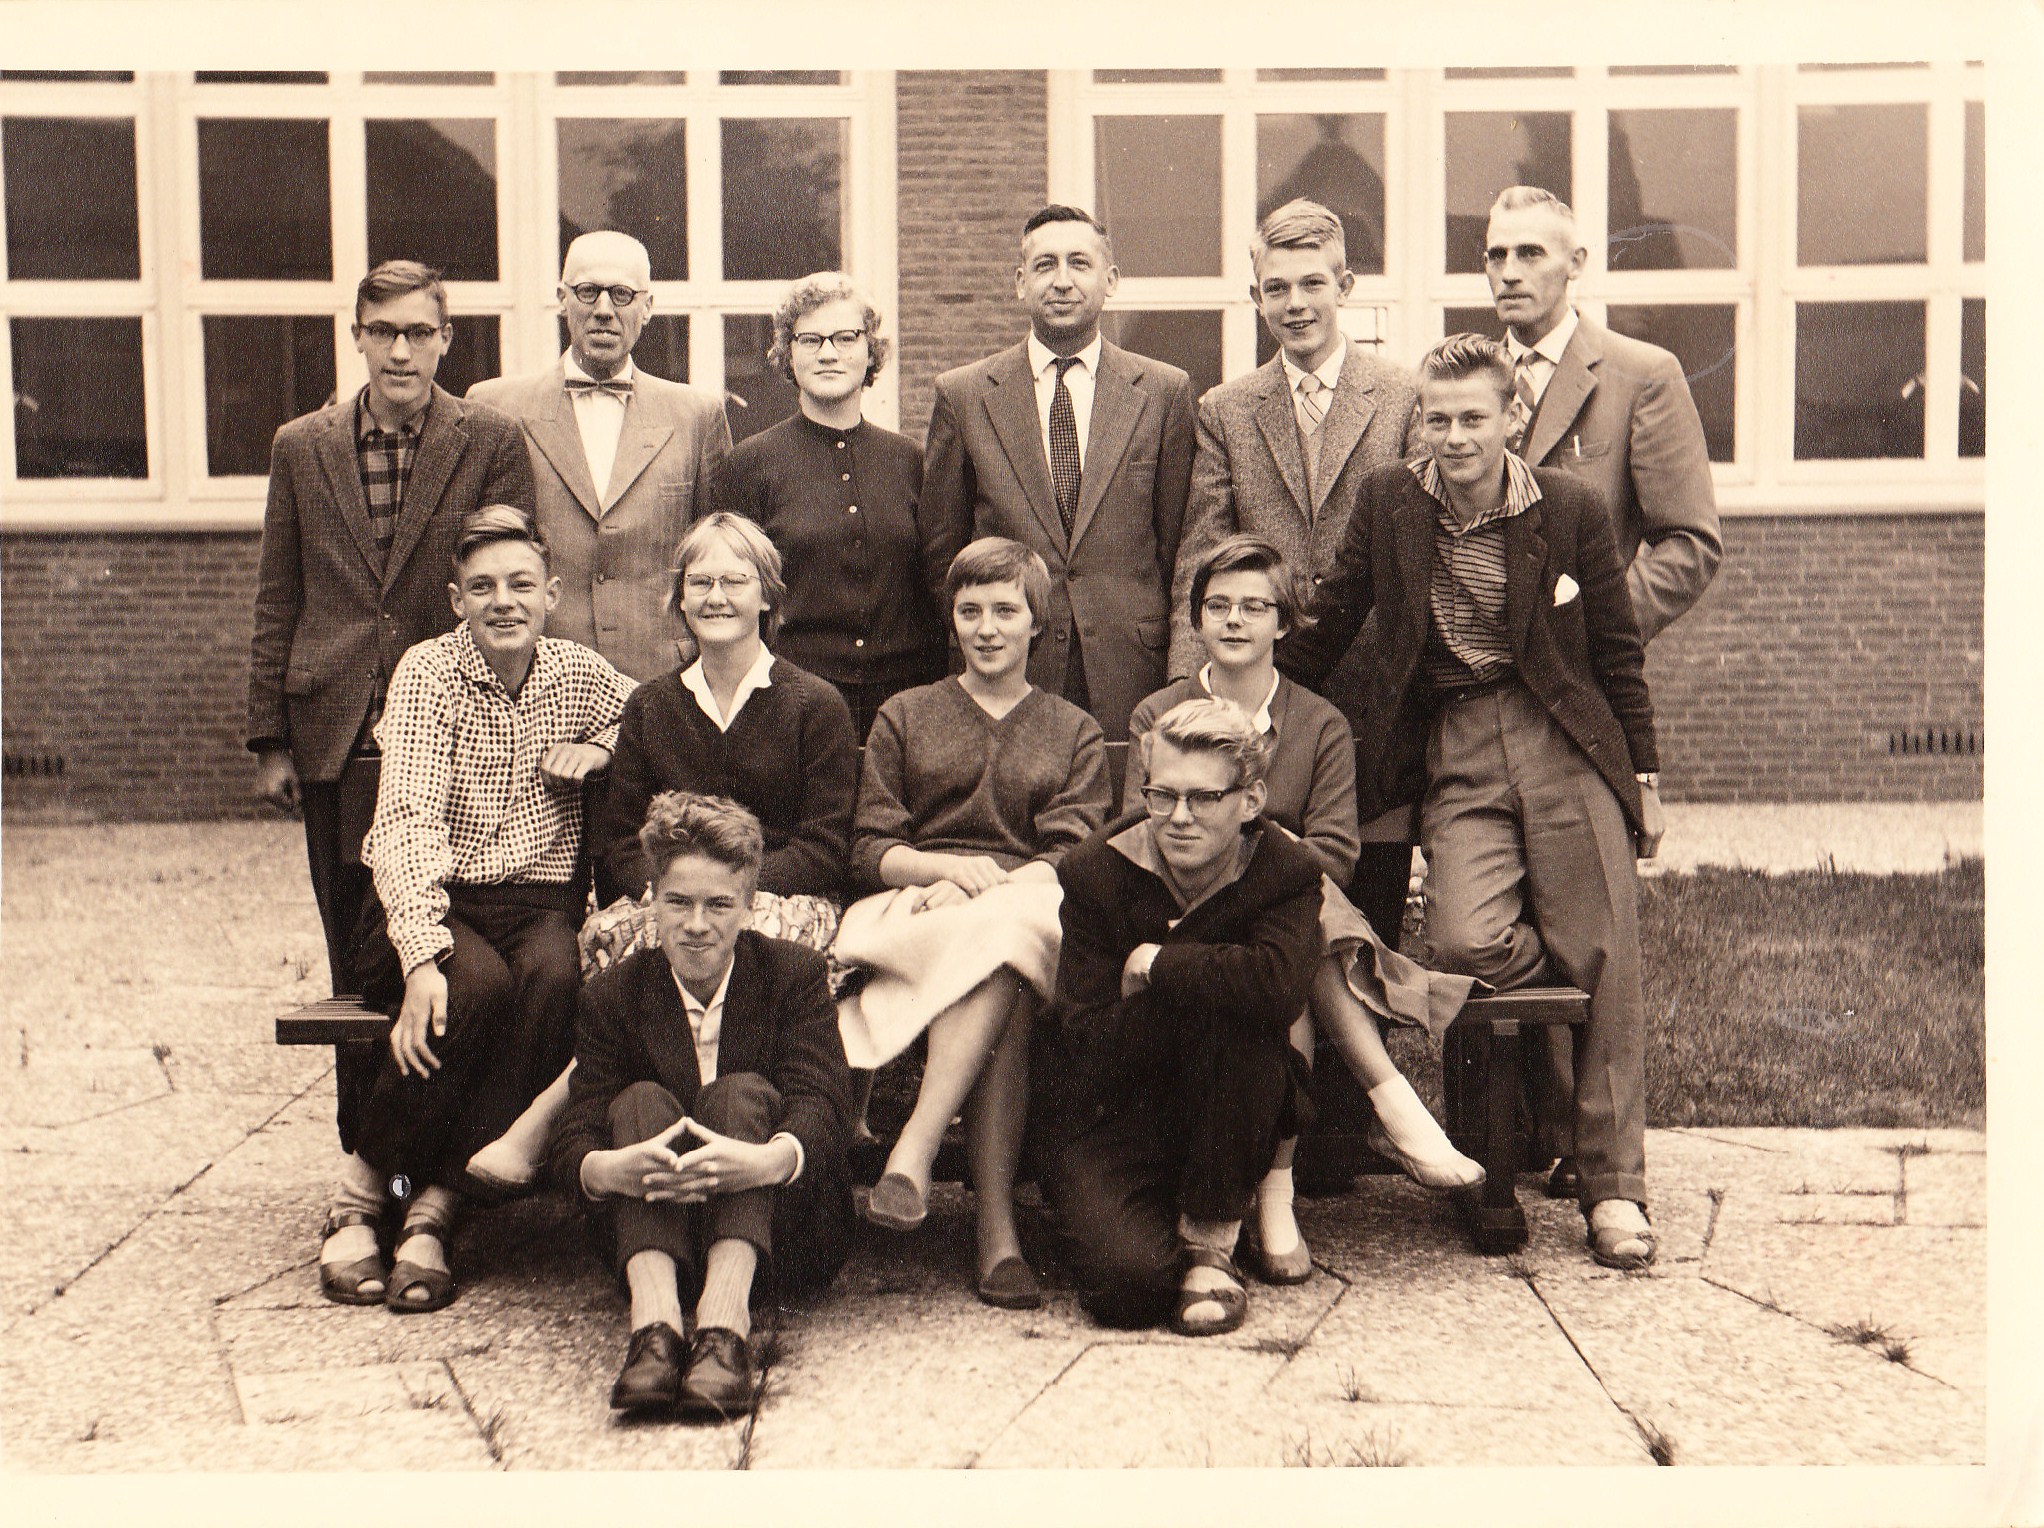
{"x": 789, "y": 758}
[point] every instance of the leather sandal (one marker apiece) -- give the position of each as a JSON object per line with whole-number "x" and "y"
{"x": 342, "y": 1282}
{"x": 438, "y": 1283}
{"x": 1234, "y": 1302}
{"x": 1605, "y": 1240}
{"x": 1293, "y": 1267}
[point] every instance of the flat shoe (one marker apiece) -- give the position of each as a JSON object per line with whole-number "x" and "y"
{"x": 1293, "y": 1267}
{"x": 1234, "y": 1302}
{"x": 895, "y": 1204}
{"x": 1010, "y": 1285}
{"x": 718, "y": 1385}
{"x": 342, "y": 1282}
{"x": 1425, "y": 1174}
{"x": 405, "y": 1277}
{"x": 1605, "y": 1240}
{"x": 651, "y": 1377}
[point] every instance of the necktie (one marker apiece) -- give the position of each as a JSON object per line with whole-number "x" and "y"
{"x": 617, "y": 387}
{"x": 1312, "y": 402}
{"x": 1064, "y": 445}
{"x": 1523, "y": 401}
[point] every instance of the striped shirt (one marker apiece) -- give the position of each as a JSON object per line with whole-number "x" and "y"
{"x": 461, "y": 799}
{"x": 1470, "y": 643}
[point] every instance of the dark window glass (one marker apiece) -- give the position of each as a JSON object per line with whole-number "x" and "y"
{"x": 70, "y": 197}
{"x": 1976, "y": 181}
{"x": 756, "y": 395}
{"x": 1861, "y": 192}
{"x": 1704, "y": 338}
{"x": 265, "y": 207}
{"x": 428, "y": 77}
{"x": 620, "y": 77}
{"x": 1488, "y": 151}
{"x": 779, "y": 77}
{"x": 433, "y": 194}
{"x": 1336, "y": 160}
{"x": 474, "y": 353}
{"x": 260, "y": 372}
{"x": 662, "y": 347}
{"x": 69, "y": 76}
{"x": 1674, "y": 69}
{"x": 78, "y": 409}
{"x": 1278, "y": 76}
{"x": 630, "y": 174}
{"x": 1156, "y": 76}
{"x": 783, "y": 196}
{"x": 1158, "y": 185}
{"x": 1674, "y": 179}
{"x": 1189, "y": 339}
{"x": 1973, "y": 377}
{"x": 1859, "y": 380}
{"x": 1509, "y": 74}
{"x": 1472, "y": 321}
{"x": 259, "y": 77}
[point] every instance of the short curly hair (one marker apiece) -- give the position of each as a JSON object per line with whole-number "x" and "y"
{"x": 804, "y": 298}
{"x": 680, "y": 823}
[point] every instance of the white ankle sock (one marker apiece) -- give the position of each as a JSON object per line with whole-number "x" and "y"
{"x": 1431, "y": 1156}
{"x": 1275, "y": 1223}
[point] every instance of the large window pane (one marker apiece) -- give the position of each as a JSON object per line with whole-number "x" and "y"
{"x": 1189, "y": 339}
{"x": 70, "y": 198}
{"x": 475, "y": 352}
{"x": 1336, "y": 160}
{"x": 783, "y": 196}
{"x": 1704, "y": 338}
{"x": 78, "y": 398}
{"x": 1278, "y": 76}
{"x": 260, "y": 372}
{"x": 1482, "y": 320}
{"x": 758, "y": 395}
{"x": 1860, "y": 184}
{"x": 260, "y": 77}
{"x": 1157, "y": 184}
{"x": 1976, "y": 181}
{"x": 265, "y": 207}
{"x": 1156, "y": 76}
{"x": 69, "y": 76}
{"x": 1488, "y": 151}
{"x": 780, "y": 77}
{"x": 1973, "y": 377}
{"x": 428, "y": 77}
{"x": 1674, "y": 182}
{"x": 629, "y": 174}
{"x": 1859, "y": 380}
{"x": 621, "y": 77}
{"x": 1540, "y": 73}
{"x": 433, "y": 193}
{"x": 662, "y": 347}
{"x": 1674, "y": 68}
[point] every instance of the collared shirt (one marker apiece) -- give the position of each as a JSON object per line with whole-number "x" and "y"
{"x": 461, "y": 799}
{"x": 1137, "y": 843}
{"x": 1328, "y": 371}
{"x": 1261, "y": 715}
{"x": 706, "y": 1027}
{"x": 756, "y": 678}
{"x": 1546, "y": 354}
{"x": 600, "y": 418}
{"x": 385, "y": 458}
{"x": 1469, "y": 642}
{"x": 1078, "y": 382}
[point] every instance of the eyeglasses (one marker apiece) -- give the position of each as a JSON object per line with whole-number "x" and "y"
{"x": 700, "y": 584}
{"x": 1163, "y": 803}
{"x": 1220, "y": 609}
{"x": 415, "y": 334}
{"x": 810, "y": 342}
{"x": 586, "y": 293}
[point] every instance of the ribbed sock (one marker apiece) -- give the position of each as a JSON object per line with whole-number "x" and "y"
{"x": 727, "y": 1285}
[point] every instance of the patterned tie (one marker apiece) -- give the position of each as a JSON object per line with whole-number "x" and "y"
{"x": 1312, "y": 402}
{"x": 617, "y": 387}
{"x": 1064, "y": 445}
{"x": 1523, "y": 401}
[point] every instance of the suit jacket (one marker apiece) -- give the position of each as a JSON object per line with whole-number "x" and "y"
{"x": 630, "y": 1027}
{"x": 1250, "y": 475}
{"x": 329, "y": 626}
{"x": 985, "y": 474}
{"x": 1617, "y": 415}
{"x": 1583, "y": 658}
{"x": 613, "y": 548}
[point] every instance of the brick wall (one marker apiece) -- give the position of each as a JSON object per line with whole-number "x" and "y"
{"x": 972, "y": 164}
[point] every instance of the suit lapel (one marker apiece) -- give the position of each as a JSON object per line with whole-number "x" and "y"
{"x": 560, "y": 441}
{"x": 1117, "y": 405}
{"x": 1525, "y": 563}
{"x": 1415, "y": 521}
{"x": 343, "y": 469}
{"x": 1572, "y": 383}
{"x": 1354, "y": 406}
{"x": 664, "y": 1024}
{"x": 441, "y": 443}
{"x": 638, "y": 442}
{"x": 1010, "y": 402}
{"x": 1280, "y": 426}
{"x": 740, "y": 1044}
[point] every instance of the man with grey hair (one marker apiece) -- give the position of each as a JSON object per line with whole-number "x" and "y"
{"x": 620, "y": 458}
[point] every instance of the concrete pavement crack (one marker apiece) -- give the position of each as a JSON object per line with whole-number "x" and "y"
{"x": 486, "y": 1432}
{"x": 972, "y": 1461}
{"x": 1816, "y": 1326}
{"x": 1319, "y": 1320}
{"x": 1649, "y": 1435}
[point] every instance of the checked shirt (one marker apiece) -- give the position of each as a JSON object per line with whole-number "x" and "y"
{"x": 461, "y": 799}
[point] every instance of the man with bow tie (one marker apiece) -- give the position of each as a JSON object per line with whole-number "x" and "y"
{"x": 619, "y": 458}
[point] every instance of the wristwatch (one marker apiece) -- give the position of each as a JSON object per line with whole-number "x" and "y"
{"x": 1651, "y": 779}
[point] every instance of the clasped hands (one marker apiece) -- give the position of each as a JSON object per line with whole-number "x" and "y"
{"x": 653, "y": 1170}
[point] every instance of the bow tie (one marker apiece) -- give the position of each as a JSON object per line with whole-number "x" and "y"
{"x": 617, "y": 387}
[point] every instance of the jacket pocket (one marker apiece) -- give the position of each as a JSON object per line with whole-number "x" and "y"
{"x": 1154, "y": 633}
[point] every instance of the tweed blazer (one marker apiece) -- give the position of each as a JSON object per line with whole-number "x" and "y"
{"x": 332, "y": 617}
{"x": 985, "y": 473}
{"x": 613, "y": 547}
{"x": 1582, "y": 658}
{"x": 1250, "y": 475}
{"x": 630, "y": 1026}
{"x": 1617, "y": 415}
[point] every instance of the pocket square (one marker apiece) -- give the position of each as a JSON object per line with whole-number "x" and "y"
{"x": 1565, "y": 589}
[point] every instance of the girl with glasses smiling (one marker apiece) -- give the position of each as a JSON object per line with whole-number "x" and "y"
{"x": 1242, "y": 600}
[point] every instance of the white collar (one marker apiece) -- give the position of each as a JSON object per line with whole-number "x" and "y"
{"x": 698, "y": 1011}
{"x": 569, "y": 368}
{"x": 1261, "y": 716}
{"x": 1041, "y": 355}
{"x": 1328, "y": 371}
{"x": 756, "y": 678}
{"x": 1552, "y": 343}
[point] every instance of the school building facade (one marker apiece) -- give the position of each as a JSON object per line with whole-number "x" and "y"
{"x": 181, "y": 252}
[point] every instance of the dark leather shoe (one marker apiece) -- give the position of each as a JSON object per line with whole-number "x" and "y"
{"x": 718, "y": 1386}
{"x": 651, "y": 1377}
{"x": 1563, "y": 1181}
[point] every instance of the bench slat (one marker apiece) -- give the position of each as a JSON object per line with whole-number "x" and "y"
{"x": 330, "y": 1021}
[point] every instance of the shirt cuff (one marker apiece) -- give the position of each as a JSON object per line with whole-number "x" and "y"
{"x": 416, "y": 948}
{"x": 801, "y": 1160}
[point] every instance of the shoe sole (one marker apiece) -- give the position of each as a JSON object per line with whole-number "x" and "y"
{"x": 702, "y": 1408}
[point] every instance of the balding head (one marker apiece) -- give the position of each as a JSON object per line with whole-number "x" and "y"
{"x": 602, "y": 330}
{"x": 608, "y": 248}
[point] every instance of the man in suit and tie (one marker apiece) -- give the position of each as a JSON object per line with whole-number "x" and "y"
{"x": 708, "y": 1118}
{"x": 621, "y": 459}
{"x": 366, "y": 502}
{"x": 1082, "y": 452}
{"x": 1615, "y": 413}
{"x": 1281, "y": 452}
